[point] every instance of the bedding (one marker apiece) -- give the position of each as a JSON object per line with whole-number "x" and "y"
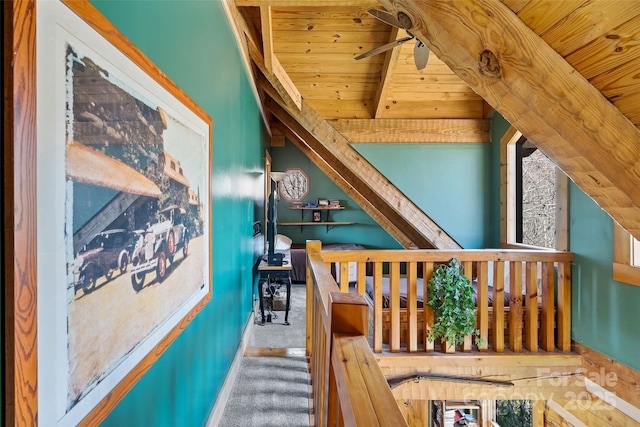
{"x": 420, "y": 292}
{"x": 299, "y": 258}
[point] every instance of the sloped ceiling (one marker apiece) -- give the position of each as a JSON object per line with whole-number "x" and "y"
{"x": 565, "y": 74}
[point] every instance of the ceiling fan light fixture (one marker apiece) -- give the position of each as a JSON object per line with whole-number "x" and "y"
{"x": 420, "y": 54}
{"x": 403, "y": 21}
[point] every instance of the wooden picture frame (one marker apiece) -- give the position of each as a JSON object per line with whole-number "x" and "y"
{"x": 90, "y": 193}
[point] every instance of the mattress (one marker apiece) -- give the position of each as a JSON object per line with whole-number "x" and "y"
{"x": 299, "y": 258}
{"x": 420, "y": 292}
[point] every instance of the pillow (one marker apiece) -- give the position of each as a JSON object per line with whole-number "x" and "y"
{"x": 283, "y": 243}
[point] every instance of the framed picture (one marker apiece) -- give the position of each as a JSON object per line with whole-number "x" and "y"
{"x": 123, "y": 218}
{"x": 317, "y": 216}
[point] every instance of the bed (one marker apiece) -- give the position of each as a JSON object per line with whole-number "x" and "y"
{"x": 386, "y": 320}
{"x": 420, "y": 292}
{"x": 299, "y": 259}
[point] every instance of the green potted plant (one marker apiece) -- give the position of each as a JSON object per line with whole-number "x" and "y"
{"x": 451, "y": 297}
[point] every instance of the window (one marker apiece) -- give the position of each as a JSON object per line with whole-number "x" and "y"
{"x": 626, "y": 257}
{"x": 635, "y": 251}
{"x": 533, "y": 199}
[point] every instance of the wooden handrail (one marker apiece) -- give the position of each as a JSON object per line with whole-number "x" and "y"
{"x": 364, "y": 395}
{"x": 538, "y": 315}
{"x": 348, "y": 386}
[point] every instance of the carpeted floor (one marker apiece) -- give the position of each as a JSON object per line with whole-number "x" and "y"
{"x": 272, "y": 390}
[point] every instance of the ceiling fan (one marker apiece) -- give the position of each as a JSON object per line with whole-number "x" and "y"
{"x": 420, "y": 52}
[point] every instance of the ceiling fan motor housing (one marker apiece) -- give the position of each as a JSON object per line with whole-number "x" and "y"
{"x": 404, "y": 20}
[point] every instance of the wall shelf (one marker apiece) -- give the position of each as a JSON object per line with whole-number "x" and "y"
{"x": 323, "y": 221}
{"x": 329, "y": 224}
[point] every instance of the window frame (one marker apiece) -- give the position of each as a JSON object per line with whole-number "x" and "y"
{"x": 508, "y": 199}
{"x": 623, "y": 270}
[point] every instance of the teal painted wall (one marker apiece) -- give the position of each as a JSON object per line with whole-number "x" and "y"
{"x": 605, "y": 315}
{"x": 449, "y": 182}
{"x": 192, "y": 42}
{"x": 366, "y": 232}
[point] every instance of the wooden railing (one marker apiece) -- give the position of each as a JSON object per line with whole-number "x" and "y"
{"x": 537, "y": 315}
{"x": 349, "y": 388}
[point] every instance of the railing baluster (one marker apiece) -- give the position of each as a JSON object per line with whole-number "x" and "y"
{"x": 344, "y": 276}
{"x": 515, "y": 306}
{"x": 483, "y": 304}
{"x": 361, "y": 284}
{"x": 412, "y": 303}
{"x": 531, "y": 308}
{"x": 547, "y": 311}
{"x": 468, "y": 272}
{"x": 394, "y": 306}
{"x": 377, "y": 307}
{"x": 427, "y": 311}
{"x": 498, "y": 306}
{"x": 564, "y": 306}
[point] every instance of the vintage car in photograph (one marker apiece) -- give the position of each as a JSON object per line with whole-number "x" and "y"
{"x": 105, "y": 253}
{"x": 157, "y": 244}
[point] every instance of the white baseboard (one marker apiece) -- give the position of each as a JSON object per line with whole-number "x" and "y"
{"x": 229, "y": 381}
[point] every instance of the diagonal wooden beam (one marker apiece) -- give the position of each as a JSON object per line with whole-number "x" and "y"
{"x": 360, "y": 174}
{"x": 418, "y": 131}
{"x": 239, "y": 26}
{"x": 267, "y": 37}
{"x": 388, "y": 69}
{"x": 341, "y": 181}
{"x": 268, "y": 63}
{"x": 540, "y": 94}
{"x": 252, "y": 47}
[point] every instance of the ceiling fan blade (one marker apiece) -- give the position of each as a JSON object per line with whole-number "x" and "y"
{"x": 384, "y": 16}
{"x": 383, "y": 48}
{"x": 420, "y": 54}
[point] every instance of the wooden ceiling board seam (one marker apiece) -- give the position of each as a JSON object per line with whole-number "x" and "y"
{"x": 377, "y": 37}
{"x": 516, "y": 5}
{"x": 619, "y": 82}
{"x": 610, "y": 51}
{"x": 587, "y": 22}
{"x": 542, "y": 15}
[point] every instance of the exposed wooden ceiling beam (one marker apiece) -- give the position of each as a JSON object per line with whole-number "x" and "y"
{"x": 361, "y": 175}
{"x": 534, "y": 88}
{"x": 417, "y": 131}
{"x": 253, "y": 48}
{"x": 238, "y": 26}
{"x": 277, "y": 135}
{"x": 267, "y": 37}
{"x": 388, "y": 68}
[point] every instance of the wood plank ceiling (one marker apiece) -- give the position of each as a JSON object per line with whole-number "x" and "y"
{"x": 564, "y": 73}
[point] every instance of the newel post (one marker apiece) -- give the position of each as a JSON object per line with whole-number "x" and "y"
{"x": 349, "y": 315}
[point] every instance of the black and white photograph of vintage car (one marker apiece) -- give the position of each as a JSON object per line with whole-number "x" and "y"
{"x": 137, "y": 212}
{"x": 108, "y": 253}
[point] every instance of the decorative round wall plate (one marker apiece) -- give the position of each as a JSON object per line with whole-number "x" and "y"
{"x": 295, "y": 185}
